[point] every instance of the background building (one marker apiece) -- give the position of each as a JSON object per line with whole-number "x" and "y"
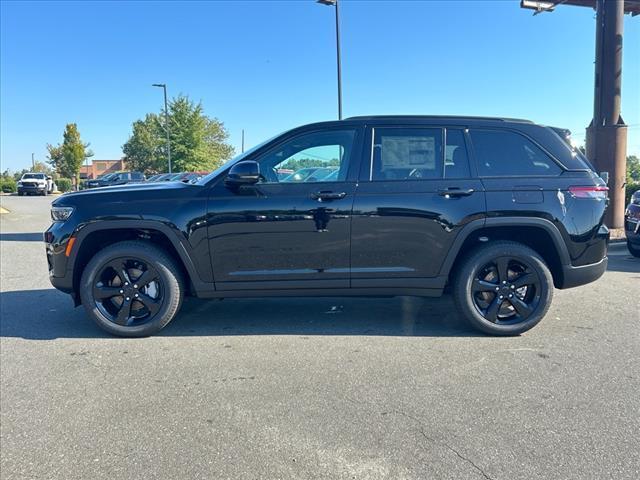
{"x": 101, "y": 167}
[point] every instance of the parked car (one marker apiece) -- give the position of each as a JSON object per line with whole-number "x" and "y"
{"x": 632, "y": 224}
{"x": 117, "y": 178}
{"x": 499, "y": 211}
{"x": 34, "y": 183}
{"x": 187, "y": 177}
{"x": 153, "y": 178}
{"x": 163, "y": 177}
{"x": 301, "y": 175}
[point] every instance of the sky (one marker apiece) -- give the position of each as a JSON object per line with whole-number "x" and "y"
{"x": 267, "y": 66}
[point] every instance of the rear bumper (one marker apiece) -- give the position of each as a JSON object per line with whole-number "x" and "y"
{"x": 576, "y": 276}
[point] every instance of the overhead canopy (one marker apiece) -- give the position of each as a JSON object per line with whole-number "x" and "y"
{"x": 630, "y": 6}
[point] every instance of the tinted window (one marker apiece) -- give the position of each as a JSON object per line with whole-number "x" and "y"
{"x": 456, "y": 160}
{"x": 407, "y": 153}
{"x": 312, "y": 157}
{"x": 504, "y": 153}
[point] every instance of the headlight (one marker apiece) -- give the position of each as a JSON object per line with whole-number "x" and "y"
{"x": 19, "y": 184}
{"x": 61, "y": 214}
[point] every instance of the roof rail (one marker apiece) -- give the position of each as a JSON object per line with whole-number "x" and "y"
{"x": 455, "y": 117}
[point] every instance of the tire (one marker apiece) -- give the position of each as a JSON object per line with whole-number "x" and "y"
{"x": 156, "y": 301}
{"x": 633, "y": 249}
{"x": 20, "y": 194}
{"x": 479, "y": 286}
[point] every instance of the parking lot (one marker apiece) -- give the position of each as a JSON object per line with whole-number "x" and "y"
{"x": 314, "y": 388}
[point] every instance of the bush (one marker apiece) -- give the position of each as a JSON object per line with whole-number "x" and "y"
{"x": 64, "y": 184}
{"x": 631, "y": 189}
{"x": 8, "y": 185}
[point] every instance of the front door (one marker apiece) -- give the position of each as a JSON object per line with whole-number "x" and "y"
{"x": 417, "y": 191}
{"x": 293, "y": 228}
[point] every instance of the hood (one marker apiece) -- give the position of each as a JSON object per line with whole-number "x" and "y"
{"x": 130, "y": 189}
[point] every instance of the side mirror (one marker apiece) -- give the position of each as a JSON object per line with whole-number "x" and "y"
{"x": 605, "y": 177}
{"x": 243, "y": 173}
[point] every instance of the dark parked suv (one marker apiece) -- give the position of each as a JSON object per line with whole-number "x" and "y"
{"x": 499, "y": 211}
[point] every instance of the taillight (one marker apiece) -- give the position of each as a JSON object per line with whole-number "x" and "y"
{"x": 589, "y": 192}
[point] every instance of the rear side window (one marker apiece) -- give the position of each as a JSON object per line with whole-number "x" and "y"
{"x": 407, "y": 154}
{"x": 456, "y": 160}
{"x": 501, "y": 153}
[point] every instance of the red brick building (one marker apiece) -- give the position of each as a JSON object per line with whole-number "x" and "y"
{"x": 101, "y": 167}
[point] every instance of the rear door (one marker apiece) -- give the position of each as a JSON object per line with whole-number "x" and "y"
{"x": 416, "y": 192}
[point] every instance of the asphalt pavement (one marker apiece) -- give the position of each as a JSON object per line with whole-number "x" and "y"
{"x": 333, "y": 388}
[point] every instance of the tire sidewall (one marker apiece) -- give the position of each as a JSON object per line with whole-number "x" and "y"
{"x": 172, "y": 294}
{"x": 469, "y": 271}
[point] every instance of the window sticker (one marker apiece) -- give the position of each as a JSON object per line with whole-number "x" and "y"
{"x": 408, "y": 152}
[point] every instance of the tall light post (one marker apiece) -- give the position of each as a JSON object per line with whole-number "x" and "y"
{"x": 166, "y": 120}
{"x": 334, "y": 3}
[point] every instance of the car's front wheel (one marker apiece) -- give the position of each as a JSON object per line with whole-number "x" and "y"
{"x": 131, "y": 289}
{"x": 503, "y": 288}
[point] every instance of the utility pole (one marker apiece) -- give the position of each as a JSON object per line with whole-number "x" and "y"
{"x": 334, "y": 3}
{"x": 243, "y": 140}
{"x": 33, "y": 162}
{"x": 607, "y": 133}
{"x": 166, "y": 121}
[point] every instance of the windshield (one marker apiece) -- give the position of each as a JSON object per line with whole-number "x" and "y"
{"x": 238, "y": 158}
{"x": 39, "y": 176}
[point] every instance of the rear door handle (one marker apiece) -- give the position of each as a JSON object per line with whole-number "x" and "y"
{"x": 324, "y": 195}
{"x": 455, "y": 192}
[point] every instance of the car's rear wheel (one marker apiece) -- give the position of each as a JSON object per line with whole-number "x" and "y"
{"x": 503, "y": 288}
{"x": 633, "y": 249}
{"x": 131, "y": 289}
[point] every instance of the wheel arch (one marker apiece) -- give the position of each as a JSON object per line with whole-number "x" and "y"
{"x": 537, "y": 233}
{"x": 95, "y": 236}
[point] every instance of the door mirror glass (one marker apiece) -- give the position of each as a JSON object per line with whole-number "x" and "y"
{"x": 243, "y": 173}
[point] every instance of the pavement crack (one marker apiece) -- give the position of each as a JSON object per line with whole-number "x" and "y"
{"x": 468, "y": 460}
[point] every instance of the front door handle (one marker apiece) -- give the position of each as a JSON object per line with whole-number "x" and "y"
{"x": 324, "y": 195}
{"x": 455, "y": 192}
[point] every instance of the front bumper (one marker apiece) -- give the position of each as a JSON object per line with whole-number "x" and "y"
{"x": 632, "y": 229}
{"x": 32, "y": 188}
{"x": 576, "y": 276}
{"x": 56, "y": 239}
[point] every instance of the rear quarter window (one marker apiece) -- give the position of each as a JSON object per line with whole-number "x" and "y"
{"x": 503, "y": 153}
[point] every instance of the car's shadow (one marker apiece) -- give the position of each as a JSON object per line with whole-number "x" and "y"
{"x": 49, "y": 314}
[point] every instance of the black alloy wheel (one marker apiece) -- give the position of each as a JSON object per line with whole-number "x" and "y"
{"x": 128, "y": 291}
{"x": 506, "y": 290}
{"x": 132, "y": 288}
{"x": 503, "y": 288}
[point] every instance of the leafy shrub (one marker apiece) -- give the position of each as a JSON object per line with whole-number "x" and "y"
{"x": 8, "y": 185}
{"x": 64, "y": 184}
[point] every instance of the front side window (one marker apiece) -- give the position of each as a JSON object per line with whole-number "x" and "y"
{"x": 406, "y": 154}
{"x": 312, "y": 157}
{"x": 502, "y": 153}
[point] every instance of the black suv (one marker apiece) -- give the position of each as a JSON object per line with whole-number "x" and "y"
{"x": 499, "y": 211}
{"x": 116, "y": 178}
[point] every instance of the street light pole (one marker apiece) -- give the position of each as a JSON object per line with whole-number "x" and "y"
{"x": 334, "y": 3}
{"x": 166, "y": 120}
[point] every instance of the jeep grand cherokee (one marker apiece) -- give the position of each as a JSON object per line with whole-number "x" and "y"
{"x": 499, "y": 211}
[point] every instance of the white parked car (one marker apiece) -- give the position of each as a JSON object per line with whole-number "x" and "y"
{"x": 36, "y": 183}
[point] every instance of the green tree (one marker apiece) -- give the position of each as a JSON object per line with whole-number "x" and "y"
{"x": 143, "y": 151}
{"x": 633, "y": 169}
{"x": 42, "y": 168}
{"x": 68, "y": 157}
{"x": 55, "y": 157}
{"x": 197, "y": 142}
